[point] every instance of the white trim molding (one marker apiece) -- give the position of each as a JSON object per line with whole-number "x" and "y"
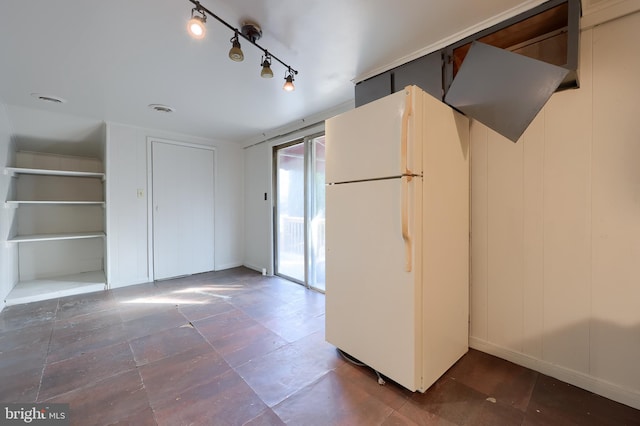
{"x": 596, "y": 12}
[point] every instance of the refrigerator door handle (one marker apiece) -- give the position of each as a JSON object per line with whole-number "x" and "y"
{"x": 405, "y": 222}
{"x": 408, "y": 111}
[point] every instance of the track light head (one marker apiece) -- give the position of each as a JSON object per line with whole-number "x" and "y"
{"x": 235, "y": 54}
{"x": 288, "y": 81}
{"x": 195, "y": 26}
{"x": 266, "y": 67}
{"x": 288, "y": 84}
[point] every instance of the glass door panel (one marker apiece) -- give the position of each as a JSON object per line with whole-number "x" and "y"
{"x": 290, "y": 226}
{"x": 316, "y": 277}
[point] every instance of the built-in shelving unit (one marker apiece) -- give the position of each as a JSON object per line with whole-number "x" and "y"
{"x": 55, "y": 237}
{"x": 58, "y": 226}
{"x": 77, "y": 203}
{"x": 13, "y": 171}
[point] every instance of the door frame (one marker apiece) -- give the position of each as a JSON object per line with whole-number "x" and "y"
{"x": 150, "y": 141}
{"x": 274, "y": 159}
{"x": 307, "y": 160}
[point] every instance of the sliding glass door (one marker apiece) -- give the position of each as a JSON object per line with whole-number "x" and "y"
{"x": 289, "y": 223}
{"x": 299, "y": 211}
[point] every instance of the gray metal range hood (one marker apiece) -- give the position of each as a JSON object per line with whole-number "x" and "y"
{"x": 503, "y": 90}
{"x": 501, "y": 76}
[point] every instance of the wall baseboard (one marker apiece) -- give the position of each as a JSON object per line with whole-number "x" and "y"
{"x": 593, "y": 384}
{"x": 254, "y": 267}
{"x": 115, "y": 285}
{"x": 229, "y": 265}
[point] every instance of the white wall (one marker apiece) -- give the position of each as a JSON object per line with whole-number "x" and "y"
{"x": 8, "y": 254}
{"x": 127, "y": 216}
{"x": 229, "y": 208}
{"x": 556, "y": 227}
{"x": 257, "y": 215}
{"x": 126, "y": 172}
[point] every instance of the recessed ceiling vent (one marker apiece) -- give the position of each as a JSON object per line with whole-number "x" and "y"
{"x": 162, "y": 108}
{"x": 48, "y": 98}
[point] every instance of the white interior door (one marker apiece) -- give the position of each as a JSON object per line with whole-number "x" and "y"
{"x": 183, "y": 202}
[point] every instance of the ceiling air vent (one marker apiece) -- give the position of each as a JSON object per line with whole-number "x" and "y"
{"x": 48, "y": 98}
{"x": 161, "y": 108}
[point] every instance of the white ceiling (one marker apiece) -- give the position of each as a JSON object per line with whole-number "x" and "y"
{"x": 111, "y": 58}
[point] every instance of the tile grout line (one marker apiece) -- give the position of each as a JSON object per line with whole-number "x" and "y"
{"x": 46, "y": 363}
{"x": 144, "y": 388}
{"x": 95, "y": 382}
{"x": 533, "y": 388}
{"x": 46, "y": 355}
{"x": 397, "y": 410}
{"x": 230, "y": 368}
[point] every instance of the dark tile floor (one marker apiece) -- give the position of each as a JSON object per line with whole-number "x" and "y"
{"x": 236, "y": 348}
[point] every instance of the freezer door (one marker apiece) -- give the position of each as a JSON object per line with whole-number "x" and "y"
{"x": 367, "y": 142}
{"x": 372, "y": 301}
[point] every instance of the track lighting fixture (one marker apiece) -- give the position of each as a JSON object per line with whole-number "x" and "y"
{"x": 235, "y": 54}
{"x": 288, "y": 81}
{"x": 266, "y": 66}
{"x": 195, "y": 26}
{"x": 249, "y": 31}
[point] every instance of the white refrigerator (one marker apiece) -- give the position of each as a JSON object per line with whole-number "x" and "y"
{"x": 397, "y": 236}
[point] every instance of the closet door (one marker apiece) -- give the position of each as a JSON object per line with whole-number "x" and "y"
{"x": 183, "y": 190}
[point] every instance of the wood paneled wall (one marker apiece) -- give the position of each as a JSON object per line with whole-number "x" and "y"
{"x": 555, "y": 246}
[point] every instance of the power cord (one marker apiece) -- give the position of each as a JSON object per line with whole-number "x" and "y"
{"x": 354, "y": 361}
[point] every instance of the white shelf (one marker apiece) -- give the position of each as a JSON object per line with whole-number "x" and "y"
{"x": 45, "y": 189}
{"x": 53, "y": 287}
{"x": 55, "y": 237}
{"x": 12, "y": 171}
{"x": 15, "y": 203}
